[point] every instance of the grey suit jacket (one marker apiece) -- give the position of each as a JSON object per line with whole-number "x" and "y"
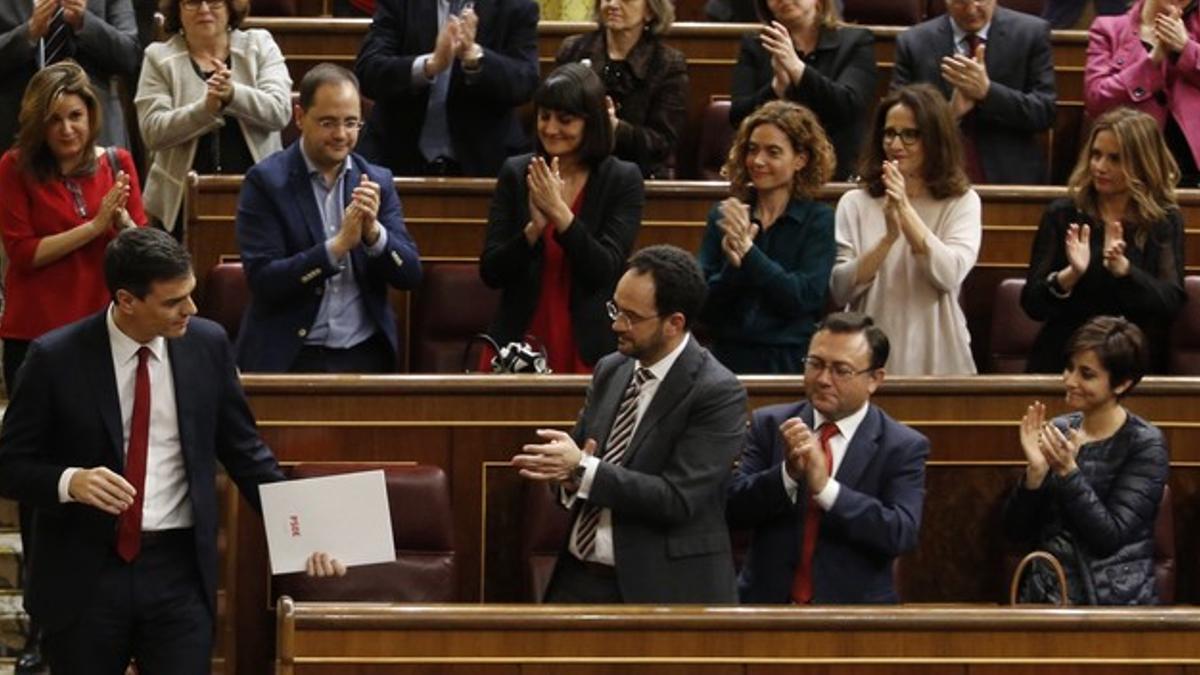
{"x": 670, "y": 540}
{"x": 1020, "y": 102}
{"x": 107, "y": 47}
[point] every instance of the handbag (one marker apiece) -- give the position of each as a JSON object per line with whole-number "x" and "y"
{"x": 1049, "y": 559}
{"x": 527, "y": 356}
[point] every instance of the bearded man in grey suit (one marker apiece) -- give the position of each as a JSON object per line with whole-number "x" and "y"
{"x": 644, "y": 470}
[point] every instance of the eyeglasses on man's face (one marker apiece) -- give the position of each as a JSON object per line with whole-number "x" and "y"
{"x": 330, "y": 124}
{"x": 617, "y": 314}
{"x": 907, "y": 136}
{"x": 194, "y": 5}
{"x": 840, "y": 371}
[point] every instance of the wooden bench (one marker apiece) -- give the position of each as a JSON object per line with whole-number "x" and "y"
{"x": 368, "y": 639}
{"x": 470, "y": 426}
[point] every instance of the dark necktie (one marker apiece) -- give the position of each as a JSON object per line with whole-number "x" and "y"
{"x": 802, "y": 582}
{"x": 59, "y": 42}
{"x": 971, "y": 161}
{"x": 129, "y": 525}
{"x": 614, "y": 452}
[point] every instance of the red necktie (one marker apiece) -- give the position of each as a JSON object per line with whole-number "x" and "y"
{"x": 802, "y": 583}
{"x": 129, "y": 525}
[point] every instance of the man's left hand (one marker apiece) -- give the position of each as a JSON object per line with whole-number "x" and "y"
{"x": 554, "y": 460}
{"x": 365, "y": 201}
{"x": 73, "y": 11}
{"x": 968, "y": 74}
{"x": 468, "y": 22}
{"x": 321, "y": 564}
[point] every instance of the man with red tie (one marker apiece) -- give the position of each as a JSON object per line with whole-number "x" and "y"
{"x": 832, "y": 487}
{"x": 113, "y": 434}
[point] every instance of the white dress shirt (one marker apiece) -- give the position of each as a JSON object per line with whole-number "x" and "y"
{"x": 165, "y": 503}
{"x": 603, "y": 550}
{"x": 847, "y": 427}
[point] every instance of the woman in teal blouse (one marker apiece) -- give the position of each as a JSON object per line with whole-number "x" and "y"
{"x": 768, "y": 250}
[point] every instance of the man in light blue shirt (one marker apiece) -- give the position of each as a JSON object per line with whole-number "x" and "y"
{"x": 322, "y": 237}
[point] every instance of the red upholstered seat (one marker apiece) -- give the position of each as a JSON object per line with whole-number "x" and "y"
{"x": 1012, "y": 331}
{"x": 451, "y": 306}
{"x": 1184, "y": 355}
{"x": 884, "y": 12}
{"x": 716, "y": 134}
{"x": 423, "y": 528}
{"x": 542, "y": 537}
{"x": 1164, "y": 549}
{"x": 226, "y": 296}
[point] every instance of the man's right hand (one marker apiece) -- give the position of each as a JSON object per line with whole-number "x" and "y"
{"x": 443, "y": 49}
{"x": 102, "y": 488}
{"x": 350, "y": 233}
{"x": 39, "y": 21}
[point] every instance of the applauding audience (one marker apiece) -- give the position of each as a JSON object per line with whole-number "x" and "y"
{"x": 1093, "y": 478}
{"x": 803, "y": 53}
{"x": 562, "y": 223}
{"x": 646, "y": 80}
{"x": 1115, "y": 246}
{"x": 768, "y": 249}
{"x": 996, "y": 67}
{"x": 908, "y": 237}
{"x": 1149, "y": 59}
{"x": 211, "y": 99}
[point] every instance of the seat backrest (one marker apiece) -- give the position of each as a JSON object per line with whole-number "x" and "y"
{"x": 1034, "y": 7}
{"x": 226, "y": 296}
{"x": 450, "y": 307}
{"x": 884, "y": 12}
{"x": 1012, "y": 331}
{"x": 425, "y": 569}
{"x": 275, "y": 8}
{"x": 1184, "y": 345}
{"x": 716, "y": 134}
{"x": 542, "y": 537}
{"x": 1164, "y": 549}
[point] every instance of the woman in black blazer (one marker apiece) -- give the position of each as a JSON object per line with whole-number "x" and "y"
{"x": 562, "y": 223}
{"x": 804, "y": 53}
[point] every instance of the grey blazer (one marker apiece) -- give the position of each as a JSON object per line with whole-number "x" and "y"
{"x": 1020, "y": 103}
{"x": 107, "y": 48}
{"x": 670, "y": 540}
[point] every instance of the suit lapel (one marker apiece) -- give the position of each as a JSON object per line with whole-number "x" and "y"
{"x": 992, "y": 59}
{"x": 943, "y": 48}
{"x": 306, "y": 200}
{"x": 861, "y": 450}
{"x": 98, "y": 362}
{"x": 671, "y": 391}
{"x": 184, "y": 368}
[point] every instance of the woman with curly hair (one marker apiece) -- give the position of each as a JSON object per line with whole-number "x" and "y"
{"x": 1114, "y": 245}
{"x": 768, "y": 249}
{"x": 908, "y": 236}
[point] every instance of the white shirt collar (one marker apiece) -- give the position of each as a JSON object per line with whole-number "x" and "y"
{"x": 663, "y": 366}
{"x": 124, "y": 348}
{"x": 848, "y": 425}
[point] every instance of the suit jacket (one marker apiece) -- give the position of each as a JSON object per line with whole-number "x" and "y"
{"x": 670, "y": 541}
{"x": 480, "y": 107}
{"x": 282, "y": 242}
{"x": 838, "y": 85}
{"x": 106, "y": 47}
{"x": 1119, "y": 72}
{"x": 65, "y": 412}
{"x": 876, "y": 517}
{"x": 596, "y": 246}
{"x": 1020, "y": 102}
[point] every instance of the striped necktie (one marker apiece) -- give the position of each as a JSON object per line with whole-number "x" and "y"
{"x": 59, "y": 42}
{"x": 614, "y": 452}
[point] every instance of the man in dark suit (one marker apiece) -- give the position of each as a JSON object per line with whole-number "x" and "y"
{"x": 447, "y": 77}
{"x": 111, "y": 434}
{"x": 833, "y": 487}
{"x": 322, "y": 238}
{"x": 644, "y": 470}
{"x": 996, "y": 67}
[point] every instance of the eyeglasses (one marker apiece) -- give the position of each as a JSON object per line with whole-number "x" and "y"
{"x": 964, "y": 3}
{"x": 907, "y": 136}
{"x": 334, "y": 125}
{"x": 839, "y": 371}
{"x": 193, "y": 5}
{"x": 617, "y": 314}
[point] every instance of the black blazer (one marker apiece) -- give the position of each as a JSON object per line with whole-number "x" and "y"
{"x": 480, "y": 107}
{"x": 65, "y": 412}
{"x": 1020, "y": 102}
{"x": 596, "y": 244}
{"x": 838, "y": 85}
{"x": 877, "y": 515}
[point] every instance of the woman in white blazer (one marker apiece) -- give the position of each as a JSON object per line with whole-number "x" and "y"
{"x": 212, "y": 98}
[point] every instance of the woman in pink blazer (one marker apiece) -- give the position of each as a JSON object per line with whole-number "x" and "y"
{"x": 1149, "y": 59}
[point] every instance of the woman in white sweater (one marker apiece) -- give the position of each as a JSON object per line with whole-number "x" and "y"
{"x": 212, "y": 98}
{"x": 910, "y": 234}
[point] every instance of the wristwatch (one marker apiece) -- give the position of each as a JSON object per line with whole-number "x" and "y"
{"x": 472, "y": 62}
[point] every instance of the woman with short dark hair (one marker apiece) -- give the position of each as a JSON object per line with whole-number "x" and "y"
{"x": 1093, "y": 478}
{"x": 562, "y": 223}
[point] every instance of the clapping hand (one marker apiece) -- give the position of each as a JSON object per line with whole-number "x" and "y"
{"x": 219, "y": 86}
{"x": 553, "y": 460}
{"x": 1114, "y": 249}
{"x": 1060, "y": 451}
{"x": 1078, "y": 247}
{"x": 546, "y": 188}
{"x": 39, "y": 20}
{"x": 787, "y": 66}
{"x": 364, "y": 203}
{"x": 1031, "y": 432}
{"x": 73, "y": 11}
{"x": 613, "y": 120}
{"x": 805, "y": 459}
{"x": 112, "y": 206}
{"x": 968, "y": 74}
{"x": 1169, "y": 31}
{"x": 738, "y": 230}
{"x": 468, "y": 24}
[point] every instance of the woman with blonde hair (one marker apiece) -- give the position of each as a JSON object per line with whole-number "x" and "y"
{"x": 804, "y": 53}
{"x": 908, "y": 236}
{"x": 1113, "y": 246}
{"x": 645, "y": 80}
{"x": 768, "y": 249}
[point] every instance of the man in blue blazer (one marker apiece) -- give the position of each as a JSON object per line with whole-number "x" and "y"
{"x": 322, "y": 238}
{"x": 996, "y": 67}
{"x": 124, "y": 558}
{"x": 822, "y": 535}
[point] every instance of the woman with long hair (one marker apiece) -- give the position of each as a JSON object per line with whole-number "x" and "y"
{"x": 1113, "y": 246}
{"x": 908, "y": 236}
{"x": 562, "y": 223}
{"x": 1093, "y": 478}
{"x": 769, "y": 248}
